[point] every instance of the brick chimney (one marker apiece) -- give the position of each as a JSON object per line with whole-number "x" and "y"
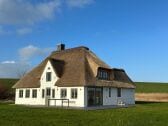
{"x": 60, "y": 47}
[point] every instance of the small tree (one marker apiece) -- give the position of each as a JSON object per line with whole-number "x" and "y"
{"x": 21, "y": 73}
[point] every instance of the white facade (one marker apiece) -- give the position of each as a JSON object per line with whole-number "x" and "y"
{"x": 127, "y": 95}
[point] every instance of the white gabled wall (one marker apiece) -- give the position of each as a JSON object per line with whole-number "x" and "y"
{"x": 79, "y": 102}
{"x": 44, "y": 83}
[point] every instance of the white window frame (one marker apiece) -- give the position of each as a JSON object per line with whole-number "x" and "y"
{"x": 64, "y": 95}
{"x": 74, "y": 93}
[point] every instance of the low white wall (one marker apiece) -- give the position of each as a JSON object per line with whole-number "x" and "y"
{"x": 109, "y": 100}
{"x": 30, "y": 100}
{"x": 127, "y": 96}
{"x": 79, "y": 102}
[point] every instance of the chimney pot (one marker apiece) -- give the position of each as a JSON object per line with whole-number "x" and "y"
{"x": 60, "y": 47}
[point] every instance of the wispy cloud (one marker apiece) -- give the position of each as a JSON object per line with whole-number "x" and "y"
{"x": 13, "y": 69}
{"x": 30, "y": 51}
{"x": 79, "y": 3}
{"x": 23, "y": 31}
{"x": 8, "y": 62}
{"x": 23, "y": 14}
{"x": 15, "y": 12}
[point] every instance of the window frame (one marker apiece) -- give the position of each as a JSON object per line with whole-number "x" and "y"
{"x": 103, "y": 74}
{"x": 74, "y": 93}
{"x": 53, "y": 93}
{"x": 63, "y": 93}
{"x": 119, "y": 90}
{"x": 27, "y": 93}
{"x": 109, "y": 92}
{"x": 43, "y": 93}
{"x": 34, "y": 93}
{"x": 21, "y": 93}
{"x": 48, "y": 92}
{"x": 48, "y": 76}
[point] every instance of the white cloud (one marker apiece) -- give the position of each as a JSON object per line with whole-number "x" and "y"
{"x": 23, "y": 31}
{"x": 13, "y": 69}
{"x": 31, "y": 51}
{"x": 8, "y": 62}
{"x": 26, "y": 13}
{"x": 79, "y": 3}
{"x": 14, "y": 12}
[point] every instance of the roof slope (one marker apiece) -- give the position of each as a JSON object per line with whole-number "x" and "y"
{"x": 75, "y": 67}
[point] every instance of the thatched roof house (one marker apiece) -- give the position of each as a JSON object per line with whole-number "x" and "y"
{"x": 77, "y": 67}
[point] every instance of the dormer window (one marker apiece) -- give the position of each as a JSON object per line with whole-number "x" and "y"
{"x": 103, "y": 74}
{"x": 48, "y": 76}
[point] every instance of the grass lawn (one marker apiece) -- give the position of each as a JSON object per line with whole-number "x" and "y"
{"x": 8, "y": 82}
{"x": 146, "y": 114}
{"x": 146, "y": 87}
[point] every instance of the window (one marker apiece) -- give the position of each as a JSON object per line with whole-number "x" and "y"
{"x": 118, "y": 92}
{"x": 63, "y": 93}
{"x": 34, "y": 93}
{"x": 74, "y": 93}
{"x": 48, "y": 92}
{"x": 43, "y": 93}
{"x": 103, "y": 74}
{"x": 109, "y": 92}
{"x": 20, "y": 93}
{"x": 48, "y": 76}
{"x": 53, "y": 93}
{"x": 27, "y": 94}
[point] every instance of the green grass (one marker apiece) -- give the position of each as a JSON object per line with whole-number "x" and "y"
{"x": 146, "y": 87}
{"x": 147, "y": 114}
{"x": 6, "y": 90}
{"x": 8, "y": 82}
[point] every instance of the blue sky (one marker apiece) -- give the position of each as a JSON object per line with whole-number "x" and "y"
{"x": 129, "y": 34}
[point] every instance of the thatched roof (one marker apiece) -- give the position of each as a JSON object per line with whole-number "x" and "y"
{"x": 76, "y": 67}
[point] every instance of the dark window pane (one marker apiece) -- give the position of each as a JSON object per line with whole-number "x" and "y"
{"x": 20, "y": 93}
{"x": 63, "y": 93}
{"x": 74, "y": 93}
{"x": 27, "y": 93}
{"x": 48, "y": 76}
{"x": 118, "y": 92}
{"x": 48, "y": 92}
{"x": 109, "y": 92}
{"x": 34, "y": 93}
{"x": 53, "y": 93}
{"x": 43, "y": 93}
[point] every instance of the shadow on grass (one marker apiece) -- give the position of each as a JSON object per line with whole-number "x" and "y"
{"x": 146, "y": 102}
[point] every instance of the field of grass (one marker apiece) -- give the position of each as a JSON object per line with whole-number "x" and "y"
{"x": 6, "y": 91}
{"x": 8, "y": 82}
{"x": 146, "y": 114}
{"x": 146, "y": 87}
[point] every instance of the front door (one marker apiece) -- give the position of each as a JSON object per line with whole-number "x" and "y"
{"x": 48, "y": 94}
{"x": 95, "y": 96}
